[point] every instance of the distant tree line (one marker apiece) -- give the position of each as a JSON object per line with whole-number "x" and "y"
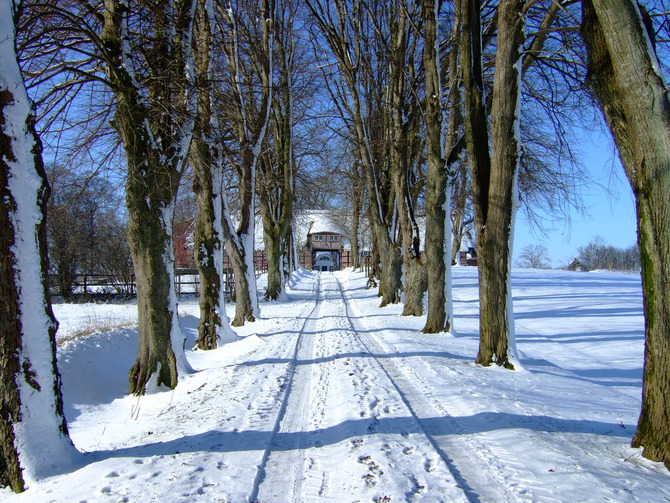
{"x": 85, "y": 231}
{"x": 599, "y": 255}
{"x": 595, "y": 255}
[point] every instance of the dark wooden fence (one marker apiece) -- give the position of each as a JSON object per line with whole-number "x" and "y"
{"x": 186, "y": 281}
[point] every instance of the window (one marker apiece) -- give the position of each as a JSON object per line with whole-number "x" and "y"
{"x": 318, "y": 237}
{"x": 334, "y": 238}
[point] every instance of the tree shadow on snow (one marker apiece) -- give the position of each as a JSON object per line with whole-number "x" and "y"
{"x": 357, "y": 430}
{"x": 358, "y": 354}
{"x": 482, "y": 422}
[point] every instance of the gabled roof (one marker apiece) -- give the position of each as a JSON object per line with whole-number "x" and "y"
{"x": 317, "y": 222}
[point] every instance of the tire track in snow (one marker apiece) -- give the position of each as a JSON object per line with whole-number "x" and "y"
{"x": 372, "y": 434}
{"x": 343, "y": 429}
{"x": 288, "y": 387}
{"x": 386, "y": 382}
{"x": 463, "y": 462}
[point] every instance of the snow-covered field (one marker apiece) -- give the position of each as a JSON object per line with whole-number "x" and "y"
{"x": 329, "y": 398}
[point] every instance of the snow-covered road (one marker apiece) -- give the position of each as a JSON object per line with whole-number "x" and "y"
{"x": 329, "y": 398}
{"x": 346, "y": 424}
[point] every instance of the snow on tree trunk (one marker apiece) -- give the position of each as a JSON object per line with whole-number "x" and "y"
{"x": 250, "y": 125}
{"x": 438, "y": 203}
{"x": 506, "y": 146}
{"x": 214, "y": 325}
{"x": 401, "y": 162}
{"x": 493, "y": 175}
{"x": 275, "y": 265}
{"x": 160, "y": 355}
{"x": 276, "y": 186}
{"x": 250, "y": 271}
{"x": 34, "y": 440}
{"x": 154, "y": 119}
{"x": 625, "y": 75}
{"x": 356, "y": 222}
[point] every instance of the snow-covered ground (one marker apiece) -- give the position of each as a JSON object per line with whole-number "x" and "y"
{"x": 329, "y": 398}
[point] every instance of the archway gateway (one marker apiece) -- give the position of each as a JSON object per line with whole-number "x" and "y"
{"x": 323, "y": 251}
{"x": 326, "y": 260}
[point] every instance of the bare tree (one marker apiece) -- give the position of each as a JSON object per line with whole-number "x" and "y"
{"x": 350, "y": 197}
{"x": 493, "y": 174}
{"x": 207, "y": 161}
{"x": 82, "y": 225}
{"x": 626, "y": 77}
{"x": 250, "y": 95}
{"x": 438, "y": 193}
{"x": 154, "y": 118}
{"x": 348, "y": 33}
{"x": 33, "y": 431}
{"x": 407, "y": 146}
{"x": 146, "y": 68}
{"x": 534, "y": 256}
{"x": 277, "y": 185}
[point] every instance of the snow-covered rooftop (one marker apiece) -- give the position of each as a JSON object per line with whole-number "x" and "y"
{"x": 309, "y": 221}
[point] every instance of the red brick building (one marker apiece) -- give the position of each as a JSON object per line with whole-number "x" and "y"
{"x": 324, "y": 251}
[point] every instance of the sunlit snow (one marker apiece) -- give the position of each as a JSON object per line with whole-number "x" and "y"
{"x": 330, "y": 398}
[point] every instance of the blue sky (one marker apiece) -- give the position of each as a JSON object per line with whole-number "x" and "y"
{"x": 609, "y": 202}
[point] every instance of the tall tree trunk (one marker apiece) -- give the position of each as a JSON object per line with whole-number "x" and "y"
{"x": 503, "y": 193}
{"x": 237, "y": 244}
{"x": 401, "y": 133}
{"x": 356, "y": 220}
{"x": 33, "y": 432}
{"x": 274, "y": 254}
{"x": 276, "y": 208}
{"x": 276, "y": 191}
{"x": 214, "y": 324}
{"x": 156, "y": 134}
{"x": 150, "y": 241}
{"x": 493, "y": 176}
{"x": 388, "y": 250}
{"x": 438, "y": 202}
{"x": 459, "y": 195}
{"x": 390, "y": 280}
{"x": 250, "y": 129}
{"x": 626, "y": 77}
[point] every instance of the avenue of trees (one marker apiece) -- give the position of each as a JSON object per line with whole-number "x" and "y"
{"x": 460, "y": 112}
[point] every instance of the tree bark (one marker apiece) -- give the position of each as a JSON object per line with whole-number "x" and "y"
{"x": 357, "y": 203}
{"x": 459, "y": 196}
{"x": 250, "y": 126}
{"x": 403, "y": 135}
{"x": 156, "y": 133}
{"x": 388, "y": 250}
{"x": 276, "y": 208}
{"x": 624, "y": 73}
{"x": 277, "y": 187}
{"x": 438, "y": 202}
{"x": 493, "y": 175}
{"x": 33, "y": 430}
{"x": 244, "y": 308}
{"x": 207, "y": 165}
{"x": 274, "y": 252}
